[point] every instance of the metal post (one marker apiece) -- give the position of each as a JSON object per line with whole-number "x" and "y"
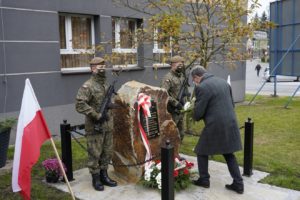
{"x": 66, "y": 148}
{"x": 275, "y": 86}
{"x": 167, "y": 168}
{"x": 248, "y": 148}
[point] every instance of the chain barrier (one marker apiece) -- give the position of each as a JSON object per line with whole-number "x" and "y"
{"x": 72, "y": 131}
{"x": 196, "y": 135}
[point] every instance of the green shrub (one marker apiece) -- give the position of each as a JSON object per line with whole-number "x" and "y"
{"x": 7, "y": 124}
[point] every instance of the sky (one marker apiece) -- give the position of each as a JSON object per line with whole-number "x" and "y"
{"x": 264, "y": 7}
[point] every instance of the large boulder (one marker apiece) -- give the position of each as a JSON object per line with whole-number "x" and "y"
{"x": 129, "y": 148}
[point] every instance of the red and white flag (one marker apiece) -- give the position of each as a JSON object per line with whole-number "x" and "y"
{"x": 144, "y": 103}
{"x": 32, "y": 132}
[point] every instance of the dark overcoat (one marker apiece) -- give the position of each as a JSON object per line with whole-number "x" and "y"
{"x": 214, "y": 104}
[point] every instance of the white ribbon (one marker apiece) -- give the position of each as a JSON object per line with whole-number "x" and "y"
{"x": 144, "y": 102}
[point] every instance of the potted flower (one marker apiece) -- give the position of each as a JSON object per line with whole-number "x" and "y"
{"x": 53, "y": 171}
{"x": 5, "y": 127}
{"x": 182, "y": 174}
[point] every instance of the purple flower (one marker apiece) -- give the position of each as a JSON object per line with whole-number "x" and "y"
{"x": 52, "y": 166}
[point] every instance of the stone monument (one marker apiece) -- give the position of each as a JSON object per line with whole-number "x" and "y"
{"x": 129, "y": 148}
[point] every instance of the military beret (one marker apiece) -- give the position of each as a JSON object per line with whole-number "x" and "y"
{"x": 97, "y": 60}
{"x": 176, "y": 59}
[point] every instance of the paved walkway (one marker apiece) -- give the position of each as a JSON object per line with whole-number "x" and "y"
{"x": 285, "y": 85}
{"x": 219, "y": 177}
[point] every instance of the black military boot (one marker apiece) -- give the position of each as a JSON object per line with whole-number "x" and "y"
{"x": 106, "y": 180}
{"x": 97, "y": 183}
{"x": 238, "y": 188}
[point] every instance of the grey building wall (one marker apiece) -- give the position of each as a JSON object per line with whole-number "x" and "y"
{"x": 29, "y": 48}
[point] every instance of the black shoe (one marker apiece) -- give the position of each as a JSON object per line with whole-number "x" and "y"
{"x": 106, "y": 180}
{"x": 97, "y": 183}
{"x": 202, "y": 183}
{"x": 238, "y": 188}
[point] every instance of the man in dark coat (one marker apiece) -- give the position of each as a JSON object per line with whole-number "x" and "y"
{"x": 214, "y": 104}
{"x": 257, "y": 68}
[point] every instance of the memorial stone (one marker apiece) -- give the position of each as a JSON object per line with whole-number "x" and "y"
{"x": 129, "y": 148}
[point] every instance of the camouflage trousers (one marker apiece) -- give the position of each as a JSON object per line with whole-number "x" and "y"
{"x": 100, "y": 147}
{"x": 178, "y": 119}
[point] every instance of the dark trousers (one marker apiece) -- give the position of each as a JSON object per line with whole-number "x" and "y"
{"x": 257, "y": 73}
{"x": 232, "y": 165}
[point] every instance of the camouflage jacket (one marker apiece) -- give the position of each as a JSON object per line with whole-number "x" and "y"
{"x": 172, "y": 83}
{"x": 89, "y": 99}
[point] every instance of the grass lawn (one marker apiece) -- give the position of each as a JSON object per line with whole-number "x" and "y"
{"x": 276, "y": 148}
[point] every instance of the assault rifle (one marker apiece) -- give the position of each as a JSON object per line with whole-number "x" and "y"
{"x": 182, "y": 92}
{"x": 106, "y": 102}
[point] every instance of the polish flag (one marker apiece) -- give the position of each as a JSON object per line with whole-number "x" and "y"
{"x": 32, "y": 132}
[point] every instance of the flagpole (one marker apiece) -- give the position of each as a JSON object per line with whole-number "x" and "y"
{"x": 62, "y": 168}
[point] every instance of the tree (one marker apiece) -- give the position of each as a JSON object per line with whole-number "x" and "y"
{"x": 207, "y": 30}
{"x": 264, "y": 22}
{"x": 264, "y": 17}
{"x": 256, "y": 18}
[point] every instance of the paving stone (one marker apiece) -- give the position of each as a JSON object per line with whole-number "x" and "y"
{"x": 220, "y": 176}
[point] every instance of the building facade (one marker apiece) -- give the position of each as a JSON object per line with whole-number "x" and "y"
{"x": 51, "y": 41}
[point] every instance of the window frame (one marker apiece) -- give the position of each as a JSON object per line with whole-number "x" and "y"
{"x": 157, "y": 50}
{"x": 117, "y": 36}
{"x": 69, "y": 44}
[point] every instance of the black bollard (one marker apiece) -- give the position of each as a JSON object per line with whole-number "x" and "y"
{"x": 66, "y": 148}
{"x": 167, "y": 168}
{"x": 248, "y": 148}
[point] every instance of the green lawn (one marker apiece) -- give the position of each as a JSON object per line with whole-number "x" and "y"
{"x": 276, "y": 148}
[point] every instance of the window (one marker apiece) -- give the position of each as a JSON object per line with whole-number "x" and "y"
{"x": 76, "y": 40}
{"x": 124, "y": 41}
{"x": 161, "y": 49}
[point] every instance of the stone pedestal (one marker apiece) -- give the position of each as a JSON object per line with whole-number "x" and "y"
{"x": 128, "y": 145}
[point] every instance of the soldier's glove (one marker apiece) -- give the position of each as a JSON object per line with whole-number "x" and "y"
{"x": 188, "y": 94}
{"x": 179, "y": 106}
{"x": 95, "y": 116}
{"x": 104, "y": 117}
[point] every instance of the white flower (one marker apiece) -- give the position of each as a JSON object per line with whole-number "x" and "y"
{"x": 159, "y": 186}
{"x": 158, "y": 166}
{"x": 187, "y": 105}
{"x": 149, "y": 165}
{"x": 147, "y": 175}
{"x": 158, "y": 180}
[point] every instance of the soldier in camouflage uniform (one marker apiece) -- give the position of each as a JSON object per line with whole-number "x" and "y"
{"x": 99, "y": 141}
{"x": 172, "y": 83}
